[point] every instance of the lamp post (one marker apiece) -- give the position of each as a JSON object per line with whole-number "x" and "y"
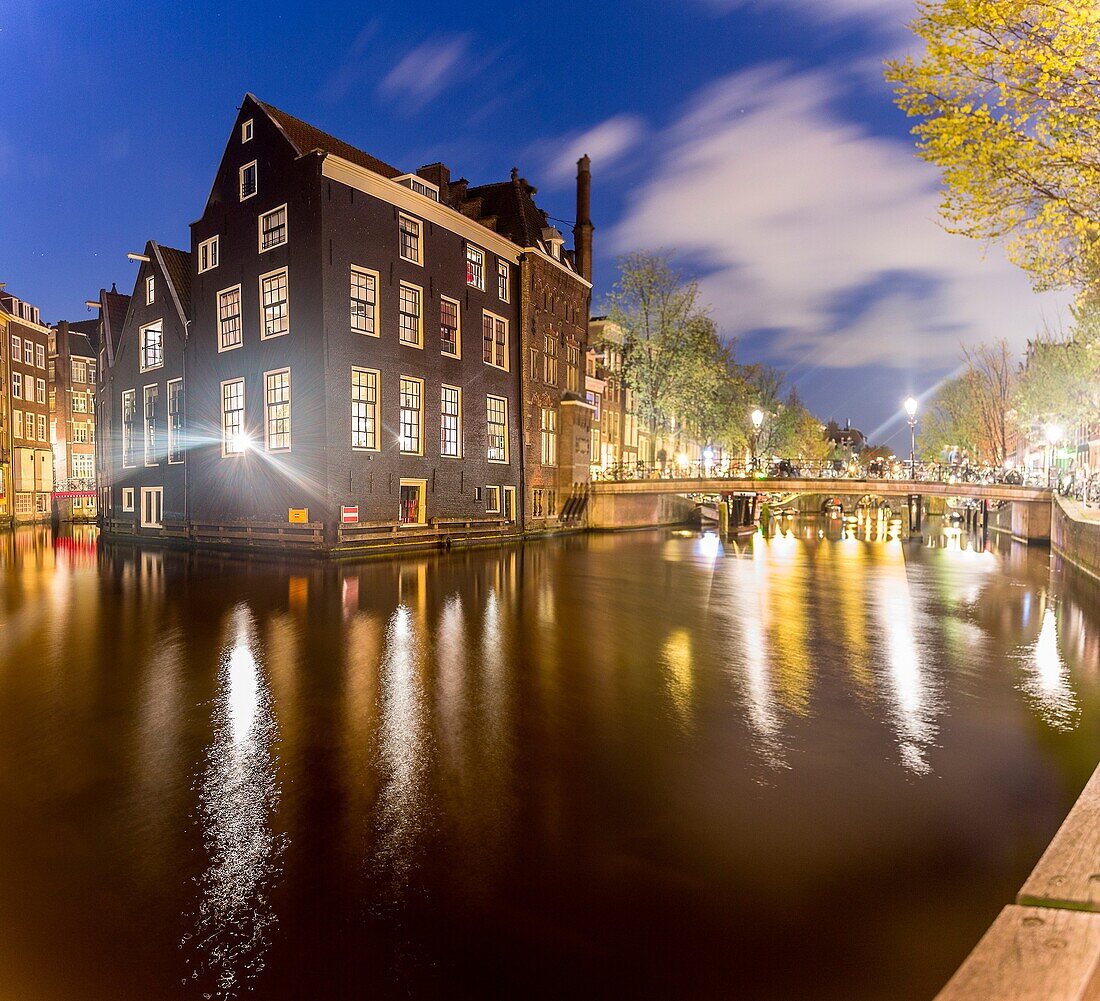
{"x": 911, "y": 410}
{"x": 1054, "y": 435}
{"x": 757, "y": 423}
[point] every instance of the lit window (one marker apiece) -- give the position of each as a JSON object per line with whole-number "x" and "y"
{"x": 246, "y": 131}
{"x": 496, "y": 420}
{"x": 548, "y": 424}
{"x": 273, "y": 228}
{"x": 175, "y": 420}
{"x": 229, "y": 318}
{"x": 550, "y": 360}
{"x": 450, "y": 422}
{"x": 364, "y": 408}
{"x": 152, "y": 404}
{"x": 475, "y": 267}
{"x": 274, "y": 304}
{"x": 233, "y": 436}
{"x": 208, "y": 254}
{"x": 40, "y": 386}
{"x": 411, "y": 510}
{"x": 42, "y": 428}
{"x": 80, "y": 371}
{"x": 409, "y": 318}
{"x": 412, "y": 415}
{"x": 410, "y": 239}
{"x": 277, "y": 409}
{"x": 17, "y": 421}
{"x": 80, "y": 434}
{"x": 502, "y": 281}
{"x": 449, "y": 343}
{"x": 494, "y": 340}
{"x": 150, "y": 290}
{"x": 248, "y": 180}
{"x": 492, "y": 500}
{"x": 152, "y": 346}
{"x": 129, "y": 412}
{"x": 40, "y": 355}
{"x": 364, "y": 301}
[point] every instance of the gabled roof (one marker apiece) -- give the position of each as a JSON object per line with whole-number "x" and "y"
{"x": 84, "y": 338}
{"x": 113, "y": 313}
{"x": 509, "y": 208}
{"x": 177, "y": 266}
{"x": 305, "y": 138}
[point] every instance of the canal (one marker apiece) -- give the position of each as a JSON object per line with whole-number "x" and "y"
{"x": 647, "y": 764}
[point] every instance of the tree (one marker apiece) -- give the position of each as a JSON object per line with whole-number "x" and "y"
{"x": 950, "y": 422}
{"x": 1008, "y": 97}
{"x": 992, "y": 382}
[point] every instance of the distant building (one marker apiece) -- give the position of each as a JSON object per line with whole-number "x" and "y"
{"x": 72, "y": 380}
{"x": 847, "y": 438}
{"x": 348, "y": 348}
{"x": 615, "y": 438}
{"x": 25, "y": 454}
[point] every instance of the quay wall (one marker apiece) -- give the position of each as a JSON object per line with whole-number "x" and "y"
{"x": 1075, "y": 536}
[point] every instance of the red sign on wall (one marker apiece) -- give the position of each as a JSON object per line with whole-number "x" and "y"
{"x": 349, "y": 515}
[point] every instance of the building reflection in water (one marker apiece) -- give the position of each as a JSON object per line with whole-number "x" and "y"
{"x": 912, "y": 700}
{"x": 678, "y": 677}
{"x": 1047, "y": 679}
{"x": 239, "y": 795}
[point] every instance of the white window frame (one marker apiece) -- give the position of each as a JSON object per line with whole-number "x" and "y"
{"x": 419, "y": 319}
{"x": 240, "y": 317}
{"x": 127, "y": 498}
{"x": 457, "y": 390}
{"x": 17, "y": 423}
{"x": 132, "y": 394}
{"x": 210, "y": 248}
{"x": 492, "y": 499}
{"x": 496, "y": 318}
{"x": 268, "y": 408}
{"x": 150, "y": 289}
{"x": 477, "y": 250}
{"x": 366, "y": 272}
{"x": 247, "y": 131}
{"x": 260, "y": 228}
{"x": 141, "y": 345}
{"x": 40, "y": 356}
{"x": 264, "y": 336}
{"x": 376, "y": 406}
{"x": 240, "y": 181}
{"x": 226, "y": 451}
{"x": 504, "y": 281}
{"x": 40, "y": 390}
{"x": 404, "y": 217}
{"x": 149, "y": 452}
{"x": 457, "y": 353}
{"x": 17, "y": 385}
{"x": 172, "y": 437}
{"x": 146, "y": 493}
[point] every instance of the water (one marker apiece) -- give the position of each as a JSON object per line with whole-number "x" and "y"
{"x": 634, "y": 765}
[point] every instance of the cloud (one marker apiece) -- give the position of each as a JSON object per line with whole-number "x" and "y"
{"x": 352, "y": 68}
{"x": 426, "y": 71}
{"x": 606, "y": 143}
{"x": 808, "y": 226}
{"x": 880, "y": 14}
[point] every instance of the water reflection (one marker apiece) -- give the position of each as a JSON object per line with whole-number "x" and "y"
{"x": 1047, "y": 679}
{"x": 238, "y": 797}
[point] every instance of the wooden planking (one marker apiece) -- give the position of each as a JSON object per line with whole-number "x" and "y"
{"x": 1068, "y": 874}
{"x": 1032, "y": 954}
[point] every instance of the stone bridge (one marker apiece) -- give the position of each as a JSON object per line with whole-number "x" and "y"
{"x": 1023, "y": 511}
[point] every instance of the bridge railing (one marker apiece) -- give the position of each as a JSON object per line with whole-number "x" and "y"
{"x": 75, "y": 485}
{"x": 923, "y": 472}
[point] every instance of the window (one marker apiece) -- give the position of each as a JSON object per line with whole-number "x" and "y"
{"x": 42, "y": 428}
{"x": 594, "y": 399}
{"x": 364, "y": 408}
{"x": 492, "y": 500}
{"x": 274, "y": 304}
{"x": 208, "y": 254}
{"x": 229, "y": 318}
{"x": 502, "y": 281}
{"x": 80, "y": 371}
{"x": 277, "y": 409}
{"x": 40, "y": 386}
{"x": 411, "y": 510}
{"x": 127, "y": 498}
{"x": 40, "y": 355}
{"x": 496, "y": 426}
{"x": 129, "y": 408}
{"x": 233, "y": 436}
{"x": 16, "y": 347}
{"x": 548, "y": 425}
{"x": 246, "y": 131}
{"x": 17, "y": 421}
{"x": 450, "y": 421}
{"x": 80, "y": 434}
{"x": 152, "y": 346}
{"x": 410, "y": 239}
{"x": 273, "y": 228}
{"x": 248, "y": 180}
{"x": 80, "y": 402}
{"x": 152, "y": 405}
{"x": 449, "y": 339}
{"x": 412, "y": 415}
{"x": 475, "y": 267}
{"x": 410, "y": 328}
{"x": 29, "y": 429}
{"x": 150, "y": 290}
{"x": 91, "y": 372}
{"x": 175, "y": 420}
{"x": 17, "y": 385}
{"x": 573, "y": 367}
{"x": 364, "y": 301}
{"x": 494, "y": 340}
{"x": 28, "y": 352}
{"x": 550, "y": 360}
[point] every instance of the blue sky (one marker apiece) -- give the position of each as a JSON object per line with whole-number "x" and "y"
{"x": 754, "y": 137}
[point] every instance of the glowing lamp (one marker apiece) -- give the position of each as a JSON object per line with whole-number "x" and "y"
{"x": 911, "y": 407}
{"x": 757, "y": 418}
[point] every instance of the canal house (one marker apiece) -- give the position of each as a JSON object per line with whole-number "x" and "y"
{"x": 71, "y": 391}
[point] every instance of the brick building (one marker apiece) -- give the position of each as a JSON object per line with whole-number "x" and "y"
{"x": 72, "y": 381}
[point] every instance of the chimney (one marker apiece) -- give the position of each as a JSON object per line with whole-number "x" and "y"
{"x": 582, "y": 231}
{"x": 438, "y": 174}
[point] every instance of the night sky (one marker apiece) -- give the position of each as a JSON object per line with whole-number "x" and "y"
{"x": 754, "y": 137}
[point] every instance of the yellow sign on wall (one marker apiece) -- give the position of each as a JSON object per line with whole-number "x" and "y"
{"x": 298, "y": 515}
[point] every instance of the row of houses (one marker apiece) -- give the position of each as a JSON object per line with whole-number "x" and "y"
{"x": 345, "y": 352}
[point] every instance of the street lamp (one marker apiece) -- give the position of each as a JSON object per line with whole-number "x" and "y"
{"x": 911, "y": 410}
{"x": 1054, "y": 435}
{"x": 757, "y": 423}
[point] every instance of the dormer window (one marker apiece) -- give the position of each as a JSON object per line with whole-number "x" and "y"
{"x": 150, "y": 290}
{"x": 419, "y": 185}
{"x": 246, "y": 131}
{"x": 248, "y": 180}
{"x": 554, "y": 242}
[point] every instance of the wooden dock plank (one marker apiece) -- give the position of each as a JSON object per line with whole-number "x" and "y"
{"x": 1032, "y": 954}
{"x": 1068, "y": 874}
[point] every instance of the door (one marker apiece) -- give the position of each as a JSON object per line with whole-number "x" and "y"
{"x": 411, "y": 510}
{"x": 152, "y": 507}
{"x": 509, "y": 508}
